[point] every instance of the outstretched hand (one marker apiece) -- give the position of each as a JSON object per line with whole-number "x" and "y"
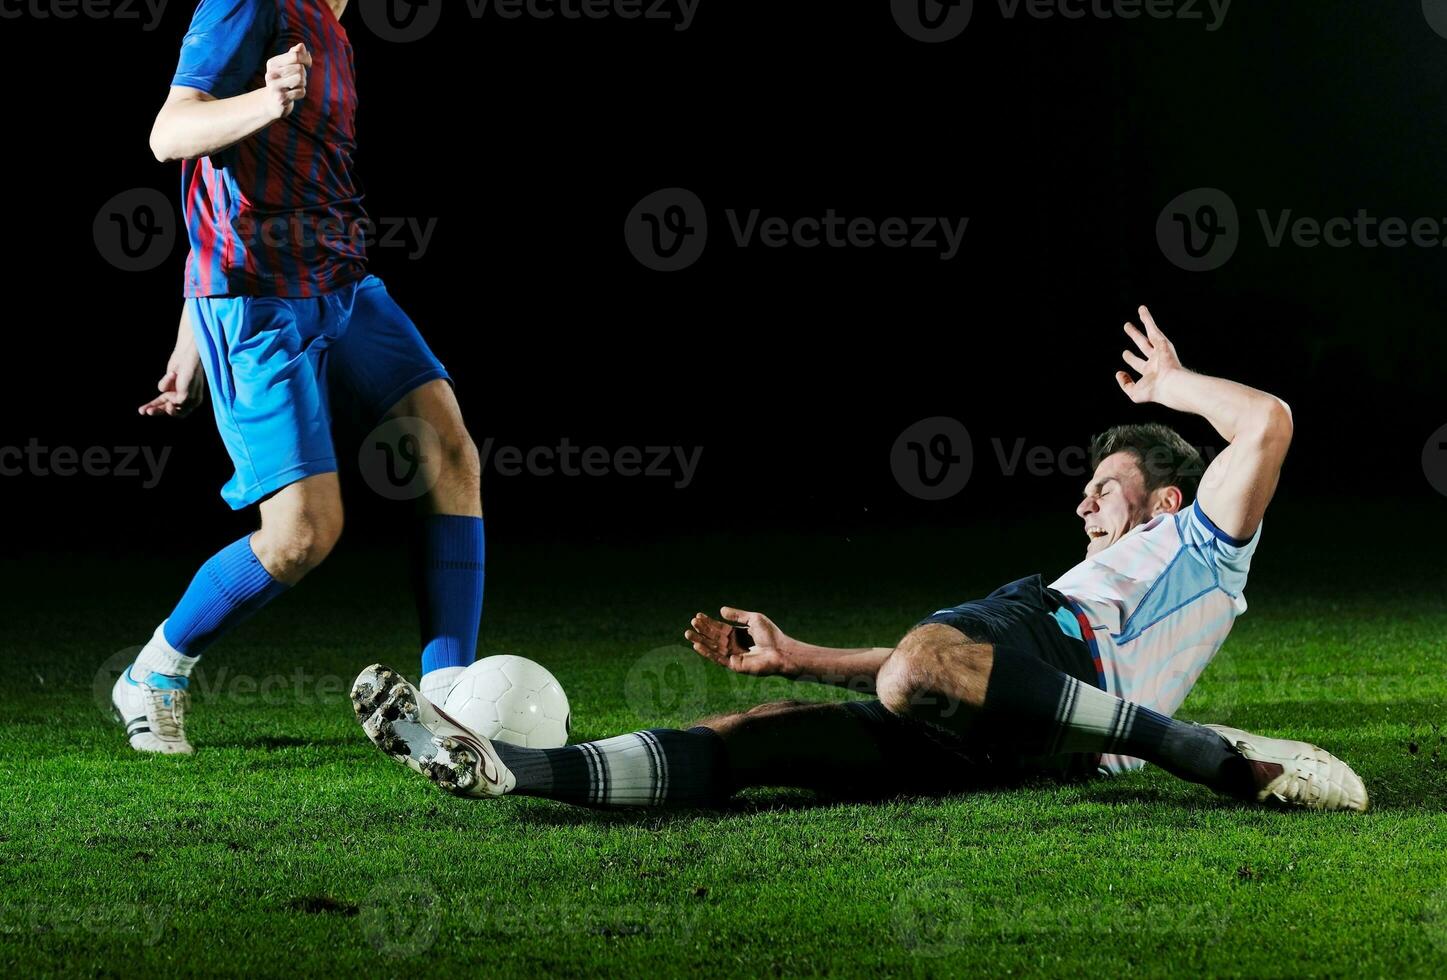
{"x": 720, "y": 642}
{"x": 1157, "y": 364}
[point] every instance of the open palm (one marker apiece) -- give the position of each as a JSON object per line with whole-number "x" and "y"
{"x": 1156, "y": 361}
{"x": 719, "y": 642}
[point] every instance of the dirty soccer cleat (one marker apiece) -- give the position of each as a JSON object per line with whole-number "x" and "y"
{"x": 419, "y": 735}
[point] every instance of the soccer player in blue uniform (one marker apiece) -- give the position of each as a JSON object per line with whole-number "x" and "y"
{"x": 283, "y": 320}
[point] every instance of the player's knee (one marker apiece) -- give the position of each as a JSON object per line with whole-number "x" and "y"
{"x": 297, "y": 543}
{"x": 933, "y": 661}
{"x": 461, "y": 459}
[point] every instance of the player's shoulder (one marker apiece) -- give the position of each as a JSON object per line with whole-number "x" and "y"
{"x": 1198, "y": 530}
{"x": 237, "y": 13}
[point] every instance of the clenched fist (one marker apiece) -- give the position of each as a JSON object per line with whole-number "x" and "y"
{"x": 286, "y": 78}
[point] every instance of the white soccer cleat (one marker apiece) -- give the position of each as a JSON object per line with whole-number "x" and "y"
{"x": 1297, "y": 773}
{"x": 421, "y": 736}
{"x": 153, "y": 714}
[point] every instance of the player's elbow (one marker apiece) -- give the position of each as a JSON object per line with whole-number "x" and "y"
{"x": 164, "y": 145}
{"x": 1273, "y": 425}
{"x": 1279, "y": 424}
{"x": 166, "y": 136}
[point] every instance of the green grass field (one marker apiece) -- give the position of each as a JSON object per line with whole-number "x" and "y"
{"x": 289, "y": 845}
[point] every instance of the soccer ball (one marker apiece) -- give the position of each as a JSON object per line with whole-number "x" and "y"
{"x": 511, "y": 699}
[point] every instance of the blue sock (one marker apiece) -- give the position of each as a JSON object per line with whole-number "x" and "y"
{"x": 225, "y": 592}
{"x": 448, "y": 583}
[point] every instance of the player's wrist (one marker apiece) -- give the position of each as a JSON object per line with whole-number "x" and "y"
{"x": 271, "y": 103}
{"x": 790, "y": 661}
{"x": 1172, "y": 389}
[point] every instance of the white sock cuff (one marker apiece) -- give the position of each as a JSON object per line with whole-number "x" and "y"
{"x": 159, "y": 656}
{"x": 436, "y": 683}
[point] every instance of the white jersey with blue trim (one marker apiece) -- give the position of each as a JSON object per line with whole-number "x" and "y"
{"x": 1160, "y": 602}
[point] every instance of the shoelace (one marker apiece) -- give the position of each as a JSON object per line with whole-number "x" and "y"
{"x": 169, "y": 718}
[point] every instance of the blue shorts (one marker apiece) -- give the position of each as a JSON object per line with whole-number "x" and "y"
{"x": 276, "y": 364}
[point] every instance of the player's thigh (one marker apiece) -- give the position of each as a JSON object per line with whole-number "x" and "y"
{"x": 264, "y": 358}
{"x": 435, "y": 403}
{"x": 380, "y": 362}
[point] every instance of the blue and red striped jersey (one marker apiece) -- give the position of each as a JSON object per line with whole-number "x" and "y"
{"x": 278, "y": 214}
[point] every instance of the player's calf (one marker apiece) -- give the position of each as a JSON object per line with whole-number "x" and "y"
{"x": 450, "y": 544}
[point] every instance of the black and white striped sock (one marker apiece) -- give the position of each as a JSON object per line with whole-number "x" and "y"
{"x": 658, "y": 767}
{"x": 1047, "y": 711}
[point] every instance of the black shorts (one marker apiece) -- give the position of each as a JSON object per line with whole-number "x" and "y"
{"x": 1021, "y": 616}
{"x": 926, "y": 758}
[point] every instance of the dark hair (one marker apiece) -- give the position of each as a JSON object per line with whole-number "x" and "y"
{"x": 1165, "y": 459}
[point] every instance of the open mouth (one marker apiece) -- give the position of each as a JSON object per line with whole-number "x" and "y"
{"x": 1095, "y": 532}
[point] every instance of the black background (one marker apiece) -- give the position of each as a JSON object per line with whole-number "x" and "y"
{"x": 531, "y": 140}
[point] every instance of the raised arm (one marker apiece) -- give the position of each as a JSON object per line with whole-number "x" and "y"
{"x": 193, "y": 123}
{"x": 773, "y": 653}
{"x": 1241, "y": 481}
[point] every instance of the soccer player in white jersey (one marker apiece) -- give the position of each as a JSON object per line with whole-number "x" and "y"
{"x": 1066, "y": 680}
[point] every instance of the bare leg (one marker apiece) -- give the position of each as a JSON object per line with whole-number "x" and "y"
{"x": 450, "y": 543}
{"x": 455, "y": 472}
{"x": 300, "y": 525}
{"x": 1018, "y": 704}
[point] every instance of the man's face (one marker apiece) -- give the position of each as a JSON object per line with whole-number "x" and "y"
{"x": 1116, "y": 500}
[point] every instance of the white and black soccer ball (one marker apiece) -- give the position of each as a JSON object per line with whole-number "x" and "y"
{"x": 511, "y": 699}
